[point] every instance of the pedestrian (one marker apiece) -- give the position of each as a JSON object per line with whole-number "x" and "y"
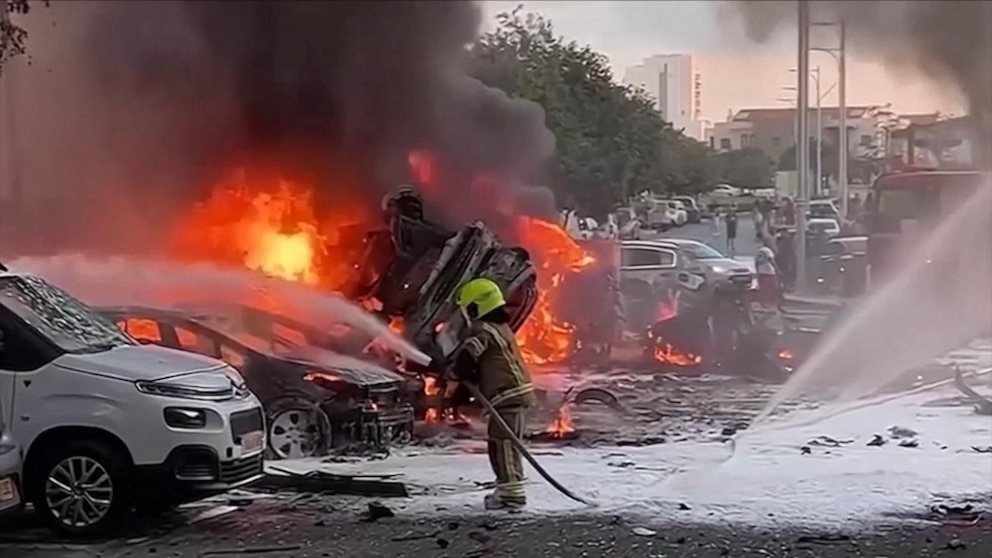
{"x": 731, "y": 227}
{"x": 769, "y": 287}
{"x": 490, "y": 358}
{"x": 785, "y": 258}
{"x": 716, "y": 222}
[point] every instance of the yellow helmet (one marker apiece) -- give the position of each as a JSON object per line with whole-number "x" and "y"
{"x": 484, "y": 294}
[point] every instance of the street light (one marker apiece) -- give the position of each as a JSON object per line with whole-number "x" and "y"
{"x": 839, "y": 56}
{"x": 815, "y": 74}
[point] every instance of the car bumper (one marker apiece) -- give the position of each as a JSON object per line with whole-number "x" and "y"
{"x": 380, "y": 427}
{"x": 192, "y": 472}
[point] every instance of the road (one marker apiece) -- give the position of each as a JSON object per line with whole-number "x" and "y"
{"x": 746, "y": 245}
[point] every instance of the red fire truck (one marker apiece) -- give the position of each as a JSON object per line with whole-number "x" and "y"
{"x": 904, "y": 206}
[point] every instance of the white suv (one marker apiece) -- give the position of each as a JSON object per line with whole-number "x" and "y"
{"x": 107, "y": 425}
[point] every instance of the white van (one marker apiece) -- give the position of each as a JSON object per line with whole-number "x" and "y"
{"x": 107, "y": 425}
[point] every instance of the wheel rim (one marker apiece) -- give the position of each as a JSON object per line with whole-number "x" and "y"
{"x": 79, "y": 492}
{"x": 294, "y": 433}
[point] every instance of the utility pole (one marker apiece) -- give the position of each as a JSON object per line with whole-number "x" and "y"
{"x": 819, "y": 136}
{"x": 842, "y": 101}
{"x": 802, "y": 149}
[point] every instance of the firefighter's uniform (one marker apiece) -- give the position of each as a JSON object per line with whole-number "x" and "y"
{"x": 489, "y": 356}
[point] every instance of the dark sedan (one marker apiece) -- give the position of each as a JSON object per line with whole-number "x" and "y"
{"x": 315, "y": 399}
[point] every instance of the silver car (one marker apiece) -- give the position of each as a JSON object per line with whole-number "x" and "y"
{"x": 672, "y": 273}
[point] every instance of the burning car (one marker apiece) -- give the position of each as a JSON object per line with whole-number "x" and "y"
{"x": 694, "y": 305}
{"x": 315, "y": 399}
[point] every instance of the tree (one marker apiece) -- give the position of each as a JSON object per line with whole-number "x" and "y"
{"x": 12, "y": 36}
{"x": 747, "y": 168}
{"x": 610, "y": 141}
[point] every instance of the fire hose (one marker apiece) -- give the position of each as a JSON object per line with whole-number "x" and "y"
{"x": 519, "y": 444}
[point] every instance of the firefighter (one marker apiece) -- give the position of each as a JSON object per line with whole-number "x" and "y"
{"x": 490, "y": 358}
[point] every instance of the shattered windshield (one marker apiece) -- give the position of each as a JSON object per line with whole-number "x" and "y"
{"x": 59, "y": 317}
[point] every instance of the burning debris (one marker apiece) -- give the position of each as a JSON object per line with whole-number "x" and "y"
{"x": 561, "y": 427}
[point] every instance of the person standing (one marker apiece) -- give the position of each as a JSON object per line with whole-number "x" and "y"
{"x": 769, "y": 289}
{"x": 490, "y": 358}
{"x": 731, "y": 226}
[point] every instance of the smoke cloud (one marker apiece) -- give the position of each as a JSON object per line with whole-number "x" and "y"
{"x": 947, "y": 41}
{"x": 147, "y": 99}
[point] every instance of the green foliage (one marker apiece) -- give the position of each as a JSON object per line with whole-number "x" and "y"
{"x": 744, "y": 168}
{"x": 610, "y": 141}
{"x": 12, "y": 36}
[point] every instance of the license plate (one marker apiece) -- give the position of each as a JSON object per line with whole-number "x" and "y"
{"x": 8, "y": 494}
{"x": 252, "y": 442}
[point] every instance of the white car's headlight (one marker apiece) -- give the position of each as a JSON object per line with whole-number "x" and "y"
{"x": 236, "y": 378}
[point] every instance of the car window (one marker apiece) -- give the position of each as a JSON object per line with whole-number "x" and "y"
{"x": 702, "y": 251}
{"x": 633, "y": 257}
{"x": 143, "y": 329}
{"x": 62, "y": 319}
{"x": 196, "y": 342}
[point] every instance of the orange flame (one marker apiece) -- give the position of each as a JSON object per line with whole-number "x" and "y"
{"x": 544, "y": 339}
{"x": 562, "y": 424}
{"x": 270, "y": 227}
{"x": 431, "y": 387}
{"x": 667, "y": 354}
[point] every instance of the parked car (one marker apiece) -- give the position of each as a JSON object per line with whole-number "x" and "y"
{"x": 823, "y": 209}
{"x": 657, "y": 266}
{"x": 681, "y": 215}
{"x": 661, "y": 217}
{"x": 819, "y": 231}
{"x": 693, "y": 213}
{"x": 844, "y": 265}
{"x": 315, "y": 399}
{"x": 107, "y": 424}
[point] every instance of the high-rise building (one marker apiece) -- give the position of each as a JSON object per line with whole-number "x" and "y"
{"x": 672, "y": 81}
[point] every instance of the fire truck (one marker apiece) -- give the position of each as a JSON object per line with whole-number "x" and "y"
{"x": 903, "y": 207}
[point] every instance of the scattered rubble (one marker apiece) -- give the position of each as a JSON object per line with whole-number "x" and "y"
{"x": 909, "y": 443}
{"x": 827, "y": 441}
{"x": 877, "y": 440}
{"x": 898, "y": 432}
{"x": 321, "y": 482}
{"x": 377, "y": 511}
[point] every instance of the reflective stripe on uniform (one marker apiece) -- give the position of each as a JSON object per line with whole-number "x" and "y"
{"x": 475, "y": 346}
{"x": 510, "y": 393}
{"x": 508, "y": 353}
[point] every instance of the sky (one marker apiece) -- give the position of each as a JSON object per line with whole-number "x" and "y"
{"x": 736, "y": 73}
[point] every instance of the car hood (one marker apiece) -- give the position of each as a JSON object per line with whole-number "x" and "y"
{"x": 147, "y": 363}
{"x": 731, "y": 266}
{"x": 349, "y": 369}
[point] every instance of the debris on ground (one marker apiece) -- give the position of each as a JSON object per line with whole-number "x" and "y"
{"x": 377, "y": 511}
{"x": 877, "y": 440}
{"x": 909, "y": 444}
{"x": 898, "y": 432}
{"x": 960, "y": 516}
{"x": 823, "y": 539}
{"x": 979, "y": 449}
{"x": 643, "y": 532}
{"x": 601, "y": 396}
{"x": 827, "y": 441}
{"x": 322, "y": 482}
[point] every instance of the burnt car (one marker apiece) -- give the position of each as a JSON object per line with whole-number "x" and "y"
{"x": 315, "y": 399}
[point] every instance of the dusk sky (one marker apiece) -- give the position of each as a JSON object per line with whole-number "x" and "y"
{"x": 736, "y": 73}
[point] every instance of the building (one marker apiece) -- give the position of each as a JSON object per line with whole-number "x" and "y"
{"x": 672, "y": 81}
{"x": 773, "y": 130}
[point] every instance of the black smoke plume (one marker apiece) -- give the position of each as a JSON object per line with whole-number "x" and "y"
{"x": 157, "y": 95}
{"x": 947, "y": 41}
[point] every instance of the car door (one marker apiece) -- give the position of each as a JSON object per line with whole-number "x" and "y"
{"x": 23, "y": 357}
{"x": 647, "y": 275}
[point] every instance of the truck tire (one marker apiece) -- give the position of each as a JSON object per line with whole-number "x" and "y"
{"x": 83, "y": 488}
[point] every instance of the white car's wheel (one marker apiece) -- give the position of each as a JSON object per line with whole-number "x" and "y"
{"x": 82, "y": 488}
